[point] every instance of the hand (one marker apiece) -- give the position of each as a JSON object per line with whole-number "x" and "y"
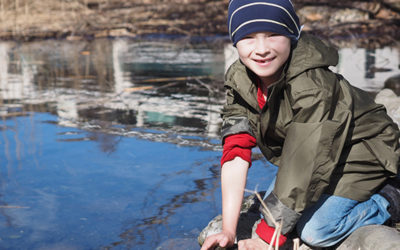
{"x": 223, "y": 239}
{"x": 253, "y": 244}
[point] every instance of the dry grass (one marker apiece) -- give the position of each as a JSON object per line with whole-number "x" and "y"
{"x": 362, "y": 22}
{"x": 48, "y": 18}
{"x": 24, "y": 17}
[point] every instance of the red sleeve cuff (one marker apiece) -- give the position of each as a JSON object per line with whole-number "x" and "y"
{"x": 243, "y": 153}
{"x": 265, "y": 232}
{"x": 238, "y": 145}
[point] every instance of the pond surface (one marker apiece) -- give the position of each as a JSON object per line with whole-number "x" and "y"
{"x": 114, "y": 144}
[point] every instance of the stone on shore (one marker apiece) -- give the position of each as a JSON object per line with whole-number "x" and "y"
{"x": 372, "y": 237}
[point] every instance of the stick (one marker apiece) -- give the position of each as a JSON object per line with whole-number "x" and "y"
{"x": 269, "y": 214}
{"x": 272, "y": 240}
{"x": 138, "y": 88}
{"x": 278, "y": 225}
{"x": 278, "y": 230}
{"x": 296, "y": 244}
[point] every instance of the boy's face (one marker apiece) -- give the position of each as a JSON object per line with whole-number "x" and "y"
{"x": 264, "y": 53}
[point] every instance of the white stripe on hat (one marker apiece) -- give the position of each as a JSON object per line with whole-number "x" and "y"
{"x": 261, "y": 20}
{"x": 261, "y": 3}
{"x": 230, "y": 3}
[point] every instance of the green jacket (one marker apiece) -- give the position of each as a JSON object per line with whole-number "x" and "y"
{"x": 325, "y": 135}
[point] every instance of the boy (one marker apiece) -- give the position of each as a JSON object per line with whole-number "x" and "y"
{"x": 336, "y": 149}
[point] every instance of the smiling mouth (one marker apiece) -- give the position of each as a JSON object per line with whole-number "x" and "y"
{"x": 264, "y": 60}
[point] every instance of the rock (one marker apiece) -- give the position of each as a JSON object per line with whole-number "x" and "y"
{"x": 249, "y": 215}
{"x": 371, "y": 238}
{"x": 393, "y": 83}
{"x": 213, "y": 227}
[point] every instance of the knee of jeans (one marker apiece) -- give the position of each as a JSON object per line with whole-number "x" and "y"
{"x": 315, "y": 234}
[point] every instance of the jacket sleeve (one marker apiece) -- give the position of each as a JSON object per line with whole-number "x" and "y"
{"x": 234, "y": 116}
{"x": 314, "y": 141}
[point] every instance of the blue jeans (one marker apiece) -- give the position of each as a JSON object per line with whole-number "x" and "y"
{"x": 333, "y": 218}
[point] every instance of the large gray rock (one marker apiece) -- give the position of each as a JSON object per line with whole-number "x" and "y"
{"x": 371, "y": 238}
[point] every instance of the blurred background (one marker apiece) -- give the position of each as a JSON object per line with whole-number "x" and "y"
{"x": 110, "y": 113}
{"x": 32, "y": 19}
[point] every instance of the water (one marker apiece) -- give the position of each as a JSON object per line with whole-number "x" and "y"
{"x": 114, "y": 144}
{"x": 66, "y": 187}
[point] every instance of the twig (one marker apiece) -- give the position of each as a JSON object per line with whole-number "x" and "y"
{"x": 138, "y": 88}
{"x": 278, "y": 225}
{"x": 269, "y": 214}
{"x": 296, "y": 244}
{"x": 197, "y": 79}
{"x": 278, "y": 234}
{"x": 272, "y": 240}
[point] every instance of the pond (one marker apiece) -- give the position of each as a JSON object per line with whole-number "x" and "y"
{"x": 114, "y": 144}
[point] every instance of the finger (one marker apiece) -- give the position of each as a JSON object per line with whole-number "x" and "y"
{"x": 210, "y": 242}
{"x": 223, "y": 242}
{"x": 206, "y": 245}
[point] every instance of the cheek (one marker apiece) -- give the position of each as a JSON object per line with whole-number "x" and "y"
{"x": 284, "y": 48}
{"x": 286, "y": 53}
{"x": 243, "y": 48}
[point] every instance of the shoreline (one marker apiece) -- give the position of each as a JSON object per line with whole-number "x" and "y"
{"x": 358, "y": 23}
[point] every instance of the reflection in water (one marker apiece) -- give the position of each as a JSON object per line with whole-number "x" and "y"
{"x": 83, "y": 131}
{"x": 161, "y": 86}
{"x": 151, "y": 85}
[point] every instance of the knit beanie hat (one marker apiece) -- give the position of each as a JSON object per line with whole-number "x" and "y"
{"x": 249, "y": 16}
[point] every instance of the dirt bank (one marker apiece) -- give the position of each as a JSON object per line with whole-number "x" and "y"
{"x": 366, "y": 23}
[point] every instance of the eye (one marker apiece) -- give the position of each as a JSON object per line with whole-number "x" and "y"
{"x": 274, "y": 34}
{"x": 248, "y": 37}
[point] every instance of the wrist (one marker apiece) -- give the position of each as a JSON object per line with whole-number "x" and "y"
{"x": 230, "y": 234}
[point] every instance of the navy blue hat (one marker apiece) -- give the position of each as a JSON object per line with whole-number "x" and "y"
{"x": 249, "y": 16}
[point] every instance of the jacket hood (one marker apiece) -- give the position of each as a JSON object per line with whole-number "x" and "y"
{"x": 311, "y": 52}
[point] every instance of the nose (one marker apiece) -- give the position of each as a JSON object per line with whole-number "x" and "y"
{"x": 261, "y": 46}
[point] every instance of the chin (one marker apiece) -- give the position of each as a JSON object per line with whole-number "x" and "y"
{"x": 263, "y": 74}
